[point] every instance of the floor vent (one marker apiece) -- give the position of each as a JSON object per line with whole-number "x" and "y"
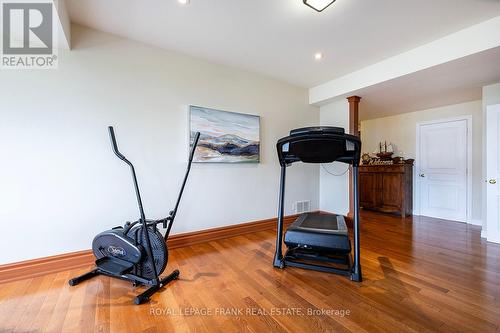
{"x": 302, "y": 206}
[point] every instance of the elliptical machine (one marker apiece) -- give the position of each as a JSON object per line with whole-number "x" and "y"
{"x": 136, "y": 252}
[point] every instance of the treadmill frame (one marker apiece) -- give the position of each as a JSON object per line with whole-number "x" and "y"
{"x": 353, "y": 270}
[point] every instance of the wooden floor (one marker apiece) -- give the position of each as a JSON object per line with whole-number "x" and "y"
{"x": 419, "y": 275}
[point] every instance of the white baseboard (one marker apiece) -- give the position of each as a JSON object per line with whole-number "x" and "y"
{"x": 495, "y": 240}
{"x": 484, "y": 234}
{"x": 475, "y": 222}
{"x": 493, "y": 237}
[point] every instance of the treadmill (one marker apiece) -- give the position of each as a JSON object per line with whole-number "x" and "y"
{"x": 319, "y": 241}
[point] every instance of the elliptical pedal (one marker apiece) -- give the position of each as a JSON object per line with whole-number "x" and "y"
{"x": 114, "y": 266}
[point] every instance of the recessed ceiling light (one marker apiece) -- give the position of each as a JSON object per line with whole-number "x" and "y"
{"x": 318, "y": 5}
{"x": 183, "y": 2}
{"x": 318, "y": 56}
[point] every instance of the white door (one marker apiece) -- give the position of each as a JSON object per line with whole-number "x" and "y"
{"x": 493, "y": 172}
{"x": 442, "y": 173}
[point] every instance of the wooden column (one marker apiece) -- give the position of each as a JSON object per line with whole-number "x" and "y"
{"x": 354, "y": 130}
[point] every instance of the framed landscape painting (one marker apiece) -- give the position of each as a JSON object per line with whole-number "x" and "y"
{"x": 225, "y": 137}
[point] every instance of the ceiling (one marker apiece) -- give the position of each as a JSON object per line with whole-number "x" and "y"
{"x": 278, "y": 38}
{"x": 450, "y": 83}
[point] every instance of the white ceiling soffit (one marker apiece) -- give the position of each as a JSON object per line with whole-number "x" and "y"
{"x": 64, "y": 24}
{"x": 475, "y": 39}
{"x": 278, "y": 38}
{"x": 450, "y": 83}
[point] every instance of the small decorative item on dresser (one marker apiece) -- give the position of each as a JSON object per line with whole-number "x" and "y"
{"x": 385, "y": 151}
{"x": 379, "y": 161}
{"x": 397, "y": 160}
{"x": 384, "y": 156}
{"x": 410, "y": 161}
{"x": 365, "y": 158}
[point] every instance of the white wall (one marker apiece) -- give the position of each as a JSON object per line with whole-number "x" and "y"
{"x": 334, "y": 180}
{"x": 491, "y": 96}
{"x": 401, "y": 130}
{"x": 60, "y": 182}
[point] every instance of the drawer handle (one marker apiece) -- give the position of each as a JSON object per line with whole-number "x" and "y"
{"x": 493, "y": 181}
{"x": 422, "y": 175}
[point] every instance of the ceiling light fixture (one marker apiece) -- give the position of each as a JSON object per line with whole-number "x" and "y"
{"x": 318, "y": 56}
{"x": 318, "y": 5}
{"x": 183, "y": 2}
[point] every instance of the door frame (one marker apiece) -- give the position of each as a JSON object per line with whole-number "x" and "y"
{"x": 416, "y": 180}
{"x": 491, "y": 234}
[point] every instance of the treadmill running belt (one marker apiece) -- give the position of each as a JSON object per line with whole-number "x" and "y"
{"x": 322, "y": 232}
{"x": 321, "y": 223}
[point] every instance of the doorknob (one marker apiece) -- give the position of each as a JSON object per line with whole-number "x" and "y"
{"x": 422, "y": 175}
{"x": 492, "y": 181}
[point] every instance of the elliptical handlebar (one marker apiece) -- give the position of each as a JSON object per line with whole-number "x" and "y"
{"x": 193, "y": 148}
{"x": 174, "y": 212}
{"x": 114, "y": 144}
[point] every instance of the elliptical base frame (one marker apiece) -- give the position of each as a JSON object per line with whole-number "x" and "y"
{"x": 135, "y": 279}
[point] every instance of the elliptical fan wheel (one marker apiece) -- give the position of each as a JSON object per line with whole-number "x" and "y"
{"x": 159, "y": 252}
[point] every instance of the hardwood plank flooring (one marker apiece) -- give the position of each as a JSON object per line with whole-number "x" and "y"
{"x": 420, "y": 275}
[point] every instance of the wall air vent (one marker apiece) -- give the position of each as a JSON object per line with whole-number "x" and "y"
{"x": 302, "y": 207}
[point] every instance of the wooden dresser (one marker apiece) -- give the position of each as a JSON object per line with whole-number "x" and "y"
{"x": 387, "y": 188}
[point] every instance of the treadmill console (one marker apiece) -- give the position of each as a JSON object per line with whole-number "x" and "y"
{"x": 317, "y": 130}
{"x": 319, "y": 144}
